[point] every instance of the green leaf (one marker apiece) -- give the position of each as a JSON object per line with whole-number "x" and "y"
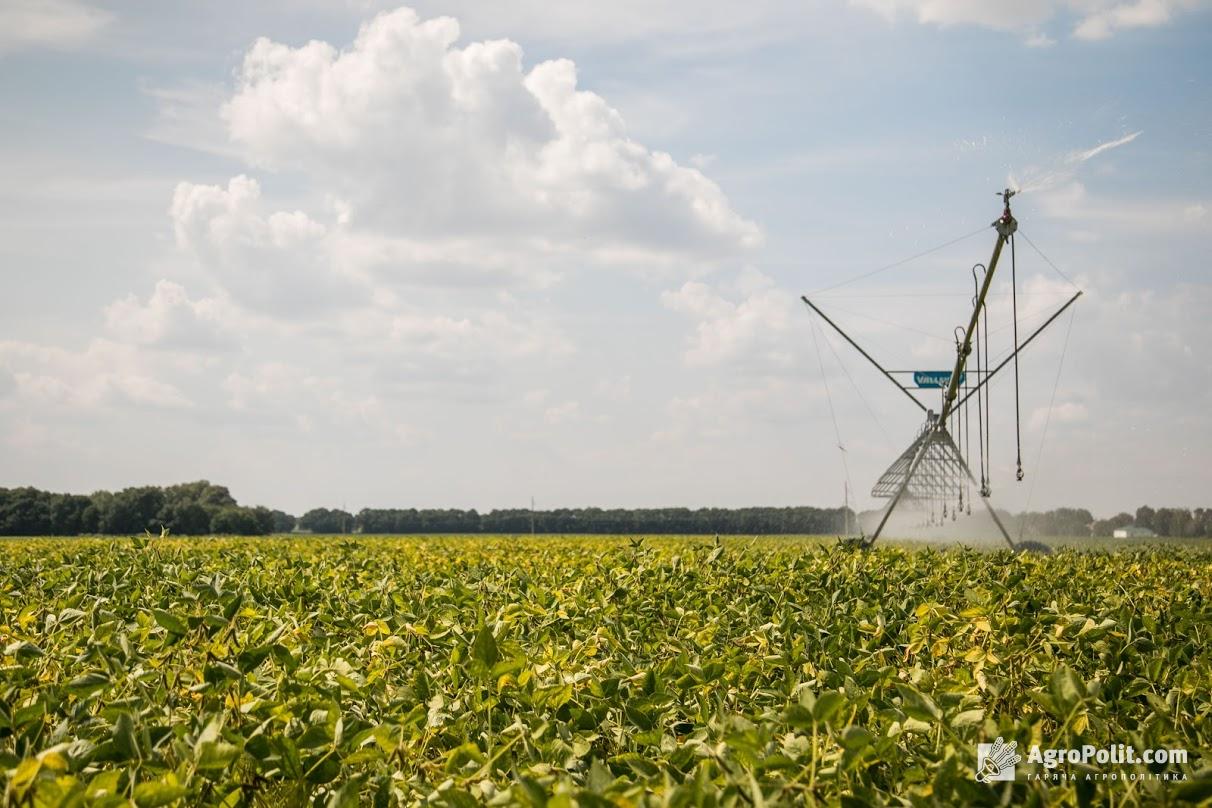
{"x": 855, "y": 738}
{"x": 87, "y": 683}
{"x": 171, "y": 622}
{"x": 157, "y": 793}
{"x": 1066, "y": 688}
{"x": 213, "y": 755}
{"x": 968, "y": 718}
{"x": 827, "y": 705}
{"x": 251, "y": 658}
{"x": 484, "y": 648}
{"x": 23, "y": 650}
{"x": 917, "y": 704}
{"x": 1197, "y": 790}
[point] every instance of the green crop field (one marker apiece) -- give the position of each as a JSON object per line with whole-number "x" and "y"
{"x": 591, "y": 671}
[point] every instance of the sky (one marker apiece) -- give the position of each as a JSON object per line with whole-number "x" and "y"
{"x": 464, "y": 254}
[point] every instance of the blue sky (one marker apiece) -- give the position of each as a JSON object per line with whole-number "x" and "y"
{"x": 416, "y": 266}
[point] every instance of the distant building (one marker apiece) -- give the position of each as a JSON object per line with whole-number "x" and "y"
{"x": 1133, "y": 532}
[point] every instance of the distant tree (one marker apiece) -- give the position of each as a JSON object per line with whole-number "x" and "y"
{"x": 25, "y": 512}
{"x": 70, "y": 515}
{"x": 186, "y": 518}
{"x": 1173, "y": 522}
{"x": 1203, "y": 522}
{"x": 265, "y": 520}
{"x": 1144, "y": 517}
{"x": 283, "y": 522}
{"x": 323, "y": 520}
{"x": 236, "y": 521}
{"x": 132, "y": 511}
{"x": 1107, "y": 527}
{"x": 203, "y": 492}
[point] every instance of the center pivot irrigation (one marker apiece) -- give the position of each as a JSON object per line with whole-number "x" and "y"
{"x": 934, "y": 472}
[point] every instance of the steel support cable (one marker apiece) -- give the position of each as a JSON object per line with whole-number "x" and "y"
{"x": 1048, "y": 260}
{"x": 837, "y": 358}
{"x": 1039, "y": 455}
{"x": 887, "y": 322}
{"x": 988, "y": 453}
{"x": 837, "y": 432}
{"x": 980, "y": 410}
{"x": 1026, "y": 318}
{"x": 1018, "y": 426}
{"x": 902, "y": 262}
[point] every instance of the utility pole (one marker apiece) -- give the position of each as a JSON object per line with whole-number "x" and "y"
{"x": 532, "y": 516}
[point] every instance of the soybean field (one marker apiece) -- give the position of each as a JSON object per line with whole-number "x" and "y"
{"x": 596, "y": 671}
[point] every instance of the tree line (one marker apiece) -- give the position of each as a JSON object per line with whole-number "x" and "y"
{"x": 1075, "y": 522}
{"x": 188, "y": 509}
{"x": 1177, "y": 522}
{"x": 202, "y": 507}
{"x": 771, "y": 521}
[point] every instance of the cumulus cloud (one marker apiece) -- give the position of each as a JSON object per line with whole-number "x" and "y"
{"x": 49, "y": 23}
{"x": 407, "y": 201}
{"x": 171, "y": 319}
{"x": 1073, "y": 202}
{"x": 1096, "y": 19}
{"x": 422, "y": 136}
{"x": 104, "y": 374}
{"x": 988, "y": 13}
{"x": 1104, "y": 19}
{"x": 276, "y": 261}
{"x": 747, "y": 321}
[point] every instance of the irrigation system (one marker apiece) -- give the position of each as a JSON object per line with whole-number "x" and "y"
{"x": 934, "y": 472}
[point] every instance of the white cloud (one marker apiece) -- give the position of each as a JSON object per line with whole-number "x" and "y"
{"x": 188, "y": 114}
{"x": 170, "y": 319}
{"x": 314, "y": 401}
{"x": 49, "y": 23}
{"x": 8, "y": 383}
{"x": 427, "y": 138}
{"x": 104, "y": 374}
{"x": 988, "y": 13}
{"x": 1104, "y": 19}
{"x": 562, "y": 413}
{"x": 747, "y": 322}
{"x": 1096, "y": 19}
{"x": 1065, "y": 412}
{"x": 489, "y": 333}
{"x": 277, "y": 261}
{"x": 1073, "y": 202}
{"x": 720, "y": 413}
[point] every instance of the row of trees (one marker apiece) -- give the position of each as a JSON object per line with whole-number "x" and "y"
{"x": 187, "y": 509}
{"x": 578, "y": 520}
{"x": 1179, "y": 522}
{"x": 1060, "y": 522}
{"x": 203, "y": 508}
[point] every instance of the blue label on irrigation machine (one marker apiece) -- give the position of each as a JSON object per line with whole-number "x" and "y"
{"x": 934, "y": 378}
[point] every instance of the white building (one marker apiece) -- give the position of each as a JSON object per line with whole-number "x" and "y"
{"x": 1133, "y": 532}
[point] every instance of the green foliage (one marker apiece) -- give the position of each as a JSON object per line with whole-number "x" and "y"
{"x": 188, "y": 509}
{"x": 604, "y": 671}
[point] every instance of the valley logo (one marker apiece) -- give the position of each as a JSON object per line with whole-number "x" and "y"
{"x": 996, "y": 761}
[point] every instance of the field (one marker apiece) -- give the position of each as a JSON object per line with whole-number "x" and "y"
{"x": 592, "y": 671}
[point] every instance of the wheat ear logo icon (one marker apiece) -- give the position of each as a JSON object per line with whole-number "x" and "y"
{"x": 996, "y": 761}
